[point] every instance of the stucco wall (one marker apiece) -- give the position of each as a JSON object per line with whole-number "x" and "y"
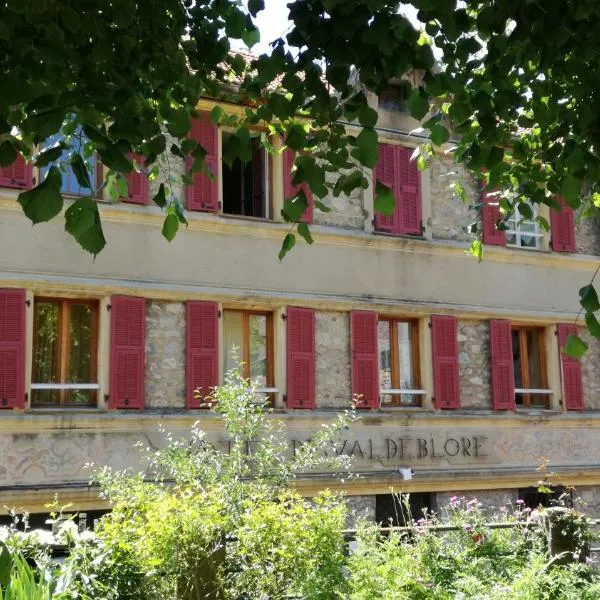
{"x": 591, "y": 372}
{"x": 587, "y": 236}
{"x": 165, "y": 354}
{"x": 450, "y": 216}
{"x": 474, "y": 364}
{"x": 333, "y": 360}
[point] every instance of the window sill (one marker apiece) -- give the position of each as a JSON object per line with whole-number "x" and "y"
{"x": 66, "y": 409}
{"x": 402, "y": 236}
{"x": 246, "y": 218}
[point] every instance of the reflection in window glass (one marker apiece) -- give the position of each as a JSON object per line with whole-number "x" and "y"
{"x": 405, "y": 354}
{"x": 233, "y": 338}
{"x": 528, "y": 366}
{"x": 46, "y": 351}
{"x": 81, "y": 351}
{"x": 258, "y": 349}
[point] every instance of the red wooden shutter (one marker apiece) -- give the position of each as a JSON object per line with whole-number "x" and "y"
{"x": 490, "y": 214}
{"x": 300, "y": 358}
{"x": 289, "y": 189}
{"x": 202, "y": 351}
{"x": 137, "y": 183}
{"x": 365, "y": 359}
{"x": 203, "y": 194}
{"x": 386, "y": 172}
{"x": 445, "y": 361}
{"x": 127, "y": 356}
{"x": 18, "y": 175}
{"x": 258, "y": 179}
{"x": 562, "y": 227}
{"x": 503, "y": 375}
{"x": 12, "y": 348}
{"x": 408, "y": 194}
{"x": 571, "y": 370}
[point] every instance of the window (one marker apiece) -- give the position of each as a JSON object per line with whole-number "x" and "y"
{"x": 246, "y": 186}
{"x": 399, "y": 362}
{"x": 248, "y": 336}
{"x": 557, "y": 495}
{"x": 70, "y": 186}
{"x": 524, "y": 232}
{"x": 393, "y": 98}
{"x": 64, "y": 353}
{"x": 529, "y": 364}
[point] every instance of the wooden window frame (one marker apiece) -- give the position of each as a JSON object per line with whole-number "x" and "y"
{"x": 246, "y": 314}
{"x": 524, "y": 360}
{"x": 395, "y": 361}
{"x": 62, "y": 364}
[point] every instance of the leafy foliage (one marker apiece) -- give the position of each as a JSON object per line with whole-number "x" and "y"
{"x": 517, "y": 103}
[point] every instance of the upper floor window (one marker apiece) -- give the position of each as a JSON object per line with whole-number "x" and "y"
{"x": 399, "y": 362}
{"x": 79, "y": 143}
{"x": 393, "y": 98}
{"x": 397, "y": 171}
{"x": 65, "y": 341}
{"x": 247, "y": 185}
{"x": 524, "y": 232}
{"x": 529, "y": 365}
{"x": 248, "y": 336}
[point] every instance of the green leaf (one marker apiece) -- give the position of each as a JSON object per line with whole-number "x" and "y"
{"x": 44, "y": 201}
{"x": 255, "y": 6}
{"x": 575, "y": 347}
{"x": 571, "y": 189}
{"x": 216, "y": 114}
{"x": 294, "y": 207}
{"x": 80, "y": 169}
{"x": 8, "y": 153}
{"x": 439, "y": 134}
{"x": 385, "y": 201}
{"x": 588, "y": 298}
{"x": 367, "y": 116}
{"x": 45, "y": 123}
{"x": 179, "y": 123}
{"x": 160, "y": 198}
{"x": 592, "y": 324}
{"x": 49, "y": 155}
{"x": 5, "y": 566}
{"x": 418, "y": 104}
{"x": 251, "y": 37}
{"x": 82, "y": 221}
{"x": 170, "y": 226}
{"x": 322, "y": 207}
{"x": 304, "y": 231}
{"x": 296, "y": 137}
{"x": 289, "y": 241}
{"x": 366, "y": 151}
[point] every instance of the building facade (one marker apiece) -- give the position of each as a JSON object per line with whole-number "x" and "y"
{"x": 456, "y": 364}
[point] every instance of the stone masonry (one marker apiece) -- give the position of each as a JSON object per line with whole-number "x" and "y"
{"x": 333, "y": 360}
{"x": 347, "y": 212}
{"x": 474, "y": 364}
{"x": 165, "y": 354}
{"x": 360, "y": 507}
{"x": 587, "y": 236}
{"x": 450, "y": 216}
{"x": 490, "y": 500}
{"x": 591, "y": 372}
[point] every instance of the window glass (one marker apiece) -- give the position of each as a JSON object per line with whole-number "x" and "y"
{"x": 64, "y": 353}
{"x": 529, "y": 366}
{"x": 258, "y": 349}
{"x": 233, "y": 338}
{"x": 397, "y": 368}
{"x": 524, "y": 233}
{"x": 46, "y": 351}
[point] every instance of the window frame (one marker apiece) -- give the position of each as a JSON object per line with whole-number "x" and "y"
{"x": 268, "y": 179}
{"x": 527, "y": 392}
{"x": 418, "y": 393}
{"x": 517, "y": 220}
{"x": 270, "y": 390}
{"x": 62, "y": 365}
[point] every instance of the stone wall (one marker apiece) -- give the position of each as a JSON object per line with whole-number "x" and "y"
{"x": 165, "y": 355}
{"x": 491, "y": 500}
{"x": 587, "y": 236}
{"x": 587, "y": 500}
{"x": 450, "y": 216}
{"x": 474, "y": 364}
{"x": 347, "y": 212}
{"x": 333, "y": 360}
{"x": 591, "y": 372}
{"x": 360, "y": 507}
{"x": 170, "y": 170}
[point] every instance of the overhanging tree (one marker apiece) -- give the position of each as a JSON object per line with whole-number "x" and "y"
{"x": 511, "y": 85}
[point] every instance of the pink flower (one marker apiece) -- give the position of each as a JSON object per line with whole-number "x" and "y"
{"x": 519, "y": 501}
